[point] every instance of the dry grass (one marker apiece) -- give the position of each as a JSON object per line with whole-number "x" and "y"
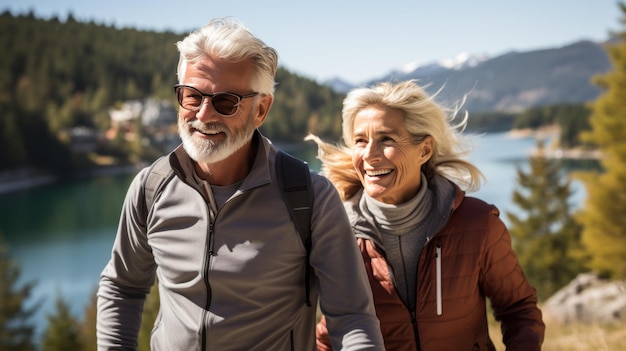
{"x": 576, "y": 337}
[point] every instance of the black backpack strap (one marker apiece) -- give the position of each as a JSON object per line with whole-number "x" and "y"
{"x": 294, "y": 178}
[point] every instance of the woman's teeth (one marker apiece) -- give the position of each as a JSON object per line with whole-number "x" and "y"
{"x": 378, "y": 172}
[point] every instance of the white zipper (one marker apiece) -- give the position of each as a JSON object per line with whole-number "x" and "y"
{"x": 438, "y": 267}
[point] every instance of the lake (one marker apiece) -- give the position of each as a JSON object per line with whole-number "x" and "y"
{"x": 61, "y": 234}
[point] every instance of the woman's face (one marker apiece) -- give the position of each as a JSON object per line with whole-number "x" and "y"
{"x": 386, "y": 160}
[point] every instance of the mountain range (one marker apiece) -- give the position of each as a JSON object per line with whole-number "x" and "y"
{"x": 511, "y": 82}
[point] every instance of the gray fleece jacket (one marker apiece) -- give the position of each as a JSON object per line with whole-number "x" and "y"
{"x": 247, "y": 292}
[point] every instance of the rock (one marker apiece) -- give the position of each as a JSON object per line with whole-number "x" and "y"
{"x": 587, "y": 299}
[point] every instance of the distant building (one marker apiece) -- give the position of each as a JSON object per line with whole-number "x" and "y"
{"x": 128, "y": 112}
{"x": 158, "y": 113}
{"x": 83, "y": 139}
{"x": 153, "y": 113}
{"x": 158, "y": 119}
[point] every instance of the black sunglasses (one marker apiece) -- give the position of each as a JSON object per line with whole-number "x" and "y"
{"x": 224, "y": 103}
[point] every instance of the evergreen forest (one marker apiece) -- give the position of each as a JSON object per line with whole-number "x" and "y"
{"x": 57, "y": 78}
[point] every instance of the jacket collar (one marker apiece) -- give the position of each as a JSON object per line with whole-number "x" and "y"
{"x": 363, "y": 225}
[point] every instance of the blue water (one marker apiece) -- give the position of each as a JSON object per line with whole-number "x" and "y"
{"x": 61, "y": 235}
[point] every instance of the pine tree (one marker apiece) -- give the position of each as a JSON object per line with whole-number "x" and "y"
{"x": 63, "y": 331}
{"x": 150, "y": 312}
{"x": 88, "y": 327}
{"x": 604, "y": 218}
{"x": 16, "y": 332}
{"x": 546, "y": 238}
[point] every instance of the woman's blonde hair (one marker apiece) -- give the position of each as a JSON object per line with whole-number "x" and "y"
{"x": 423, "y": 117}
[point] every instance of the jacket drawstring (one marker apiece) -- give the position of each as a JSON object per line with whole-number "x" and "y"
{"x": 438, "y": 269}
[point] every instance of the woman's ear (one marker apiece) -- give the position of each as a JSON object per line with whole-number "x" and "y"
{"x": 427, "y": 148}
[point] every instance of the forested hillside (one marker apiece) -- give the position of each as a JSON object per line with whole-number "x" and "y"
{"x": 56, "y": 76}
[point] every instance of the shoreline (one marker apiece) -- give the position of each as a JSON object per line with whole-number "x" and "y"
{"x": 25, "y": 178}
{"x": 550, "y": 151}
{"x": 13, "y": 185}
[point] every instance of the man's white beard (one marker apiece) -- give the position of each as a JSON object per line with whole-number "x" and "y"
{"x": 207, "y": 151}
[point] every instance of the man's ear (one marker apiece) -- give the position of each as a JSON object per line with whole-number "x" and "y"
{"x": 264, "y": 104}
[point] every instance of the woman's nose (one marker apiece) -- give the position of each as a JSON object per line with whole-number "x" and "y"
{"x": 371, "y": 152}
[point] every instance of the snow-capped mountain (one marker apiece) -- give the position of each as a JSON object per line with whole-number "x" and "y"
{"x": 417, "y": 68}
{"x": 509, "y": 82}
{"x": 460, "y": 61}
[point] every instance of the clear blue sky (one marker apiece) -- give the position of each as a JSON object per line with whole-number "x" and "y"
{"x": 361, "y": 40}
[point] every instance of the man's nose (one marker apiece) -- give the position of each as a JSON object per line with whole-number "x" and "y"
{"x": 206, "y": 111}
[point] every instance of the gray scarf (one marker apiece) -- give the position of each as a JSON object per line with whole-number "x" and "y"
{"x": 406, "y": 227}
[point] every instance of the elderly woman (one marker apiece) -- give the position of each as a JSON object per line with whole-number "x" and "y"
{"x": 433, "y": 254}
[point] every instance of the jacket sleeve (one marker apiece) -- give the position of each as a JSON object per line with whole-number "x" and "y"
{"x": 321, "y": 336}
{"x": 344, "y": 291}
{"x": 127, "y": 277}
{"x": 513, "y": 299}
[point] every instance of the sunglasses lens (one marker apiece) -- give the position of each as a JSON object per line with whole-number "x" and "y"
{"x": 225, "y": 104}
{"x": 189, "y": 99}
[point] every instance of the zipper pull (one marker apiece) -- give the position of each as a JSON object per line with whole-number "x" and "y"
{"x": 210, "y": 249}
{"x": 438, "y": 271}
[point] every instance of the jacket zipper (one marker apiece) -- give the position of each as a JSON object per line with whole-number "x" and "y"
{"x": 438, "y": 273}
{"x": 209, "y": 251}
{"x": 207, "y": 266}
{"x": 411, "y": 310}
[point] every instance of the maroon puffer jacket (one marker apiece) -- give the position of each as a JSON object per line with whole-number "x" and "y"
{"x": 469, "y": 260}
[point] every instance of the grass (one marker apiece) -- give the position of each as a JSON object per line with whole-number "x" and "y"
{"x": 575, "y": 337}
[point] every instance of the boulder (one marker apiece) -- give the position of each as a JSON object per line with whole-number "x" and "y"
{"x": 587, "y": 299}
